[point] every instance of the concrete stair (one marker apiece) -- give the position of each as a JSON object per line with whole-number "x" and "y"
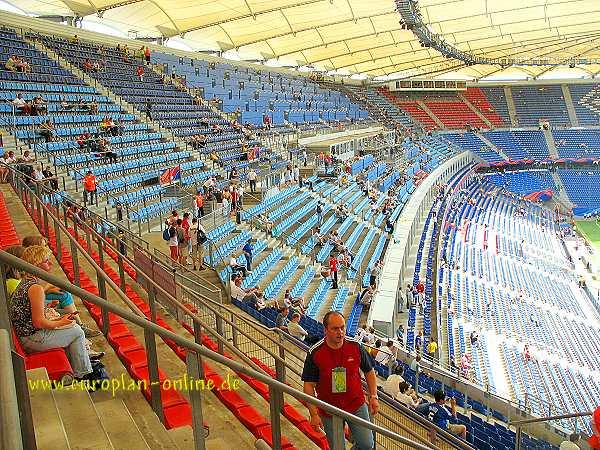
{"x": 430, "y": 113}
{"x": 551, "y": 145}
{"x": 569, "y": 102}
{"x": 562, "y": 196}
{"x": 512, "y": 111}
{"x": 489, "y": 143}
{"x": 69, "y": 418}
{"x": 475, "y": 110}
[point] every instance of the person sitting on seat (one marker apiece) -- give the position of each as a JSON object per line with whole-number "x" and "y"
{"x": 5, "y": 160}
{"x": 345, "y": 258}
{"x": 235, "y": 267}
{"x": 46, "y": 130}
{"x": 27, "y": 157}
{"x": 82, "y": 140}
{"x": 93, "y": 105}
{"x": 296, "y": 304}
{"x": 38, "y": 106}
{"x": 320, "y": 239}
{"x": 21, "y": 106}
{"x": 105, "y": 151}
{"x": 341, "y": 213}
{"x": 50, "y": 178}
{"x": 87, "y": 65}
{"x": 439, "y": 414}
{"x": 34, "y": 330}
{"x": 266, "y": 223}
{"x": 23, "y": 66}
{"x": 12, "y": 64}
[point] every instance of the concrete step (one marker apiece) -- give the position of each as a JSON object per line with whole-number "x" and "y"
{"x": 82, "y": 424}
{"x": 117, "y": 420}
{"x": 49, "y": 431}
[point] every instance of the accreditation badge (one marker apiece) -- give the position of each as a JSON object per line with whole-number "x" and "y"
{"x": 338, "y": 380}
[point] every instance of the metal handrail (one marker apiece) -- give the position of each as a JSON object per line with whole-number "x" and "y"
{"x": 546, "y": 419}
{"x": 281, "y": 364}
{"x": 194, "y": 359}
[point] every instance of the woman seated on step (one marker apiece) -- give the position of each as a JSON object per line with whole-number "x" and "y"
{"x": 35, "y": 331}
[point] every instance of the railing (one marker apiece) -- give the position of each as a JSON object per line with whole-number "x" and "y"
{"x": 230, "y": 330}
{"x": 195, "y": 355}
{"x": 519, "y": 424}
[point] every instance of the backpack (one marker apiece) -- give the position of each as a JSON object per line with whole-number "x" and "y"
{"x": 201, "y": 237}
{"x": 166, "y": 234}
{"x": 97, "y": 376}
{"x": 180, "y": 237}
{"x": 319, "y": 209}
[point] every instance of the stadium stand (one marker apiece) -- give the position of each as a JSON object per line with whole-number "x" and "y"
{"x": 472, "y": 142}
{"x": 581, "y": 187}
{"x": 540, "y": 103}
{"x": 477, "y": 98}
{"x": 497, "y": 301}
{"x": 525, "y": 182}
{"x": 497, "y": 99}
{"x": 254, "y": 93}
{"x": 491, "y": 261}
{"x": 582, "y": 96}
{"x": 577, "y": 143}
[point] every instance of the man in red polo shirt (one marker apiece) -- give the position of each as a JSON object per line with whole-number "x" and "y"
{"x": 332, "y": 371}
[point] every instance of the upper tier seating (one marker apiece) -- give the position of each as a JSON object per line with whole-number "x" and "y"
{"x": 520, "y": 144}
{"x": 410, "y": 107}
{"x": 585, "y": 102}
{"x": 455, "y": 114}
{"x": 253, "y": 92}
{"x": 479, "y": 100}
{"x": 507, "y": 142}
{"x": 374, "y": 98}
{"x": 470, "y": 141}
{"x": 497, "y": 99}
{"x": 540, "y": 103}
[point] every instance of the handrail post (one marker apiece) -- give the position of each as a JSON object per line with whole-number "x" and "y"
{"x": 338, "y": 433}
{"x": 26, "y": 417}
{"x": 155, "y": 384}
{"x": 275, "y": 401}
{"x": 76, "y": 269}
{"x": 194, "y": 364}
{"x": 518, "y": 434}
{"x": 219, "y": 323}
{"x": 121, "y": 269}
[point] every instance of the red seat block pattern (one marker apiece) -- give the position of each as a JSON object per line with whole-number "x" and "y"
{"x": 479, "y": 100}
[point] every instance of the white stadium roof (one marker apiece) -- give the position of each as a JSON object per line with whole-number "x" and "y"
{"x": 524, "y": 38}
